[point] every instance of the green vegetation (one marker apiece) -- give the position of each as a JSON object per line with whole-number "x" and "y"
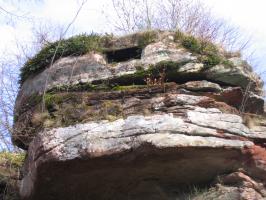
{"x": 209, "y": 52}
{"x": 128, "y": 87}
{"x": 81, "y": 87}
{"x": 10, "y": 164}
{"x": 146, "y": 38}
{"x": 170, "y": 69}
{"x": 196, "y": 45}
{"x": 192, "y": 44}
{"x": 66, "y": 109}
{"x": 74, "y": 46}
{"x": 81, "y": 44}
{"x": 51, "y": 99}
{"x": 210, "y": 60}
{"x": 14, "y": 160}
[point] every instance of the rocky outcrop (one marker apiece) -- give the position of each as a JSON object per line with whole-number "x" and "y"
{"x": 184, "y": 66}
{"x": 234, "y": 186}
{"x": 151, "y": 127}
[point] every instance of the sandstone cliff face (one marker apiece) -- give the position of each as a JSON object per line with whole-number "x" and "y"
{"x": 141, "y": 121}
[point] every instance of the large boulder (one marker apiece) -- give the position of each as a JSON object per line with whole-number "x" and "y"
{"x": 146, "y": 118}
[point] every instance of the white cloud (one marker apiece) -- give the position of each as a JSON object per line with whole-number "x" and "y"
{"x": 249, "y": 15}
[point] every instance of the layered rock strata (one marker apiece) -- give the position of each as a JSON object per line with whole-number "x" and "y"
{"x": 150, "y": 127}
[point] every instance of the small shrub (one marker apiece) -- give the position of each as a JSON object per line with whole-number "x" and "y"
{"x": 107, "y": 40}
{"x": 208, "y": 48}
{"x": 192, "y": 44}
{"x": 14, "y": 160}
{"x": 227, "y": 63}
{"x": 211, "y": 60}
{"x": 196, "y": 45}
{"x": 52, "y": 99}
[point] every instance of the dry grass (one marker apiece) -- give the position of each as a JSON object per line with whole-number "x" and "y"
{"x": 10, "y": 164}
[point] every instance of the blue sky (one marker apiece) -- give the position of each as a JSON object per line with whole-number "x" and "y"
{"x": 248, "y": 15}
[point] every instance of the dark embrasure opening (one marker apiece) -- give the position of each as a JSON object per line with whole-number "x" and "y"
{"x": 123, "y": 54}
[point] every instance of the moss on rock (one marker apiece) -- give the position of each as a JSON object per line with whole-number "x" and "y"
{"x": 208, "y": 52}
{"x": 74, "y": 46}
{"x": 78, "y": 45}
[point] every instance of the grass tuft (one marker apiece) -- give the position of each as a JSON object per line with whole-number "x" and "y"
{"x": 208, "y": 52}
{"x": 10, "y": 164}
{"x": 14, "y": 160}
{"x": 74, "y": 46}
{"x": 146, "y": 38}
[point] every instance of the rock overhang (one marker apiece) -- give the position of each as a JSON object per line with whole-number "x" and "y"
{"x": 104, "y": 116}
{"x": 141, "y": 147}
{"x": 154, "y": 147}
{"x": 162, "y": 47}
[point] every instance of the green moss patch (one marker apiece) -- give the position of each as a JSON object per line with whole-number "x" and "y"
{"x": 81, "y": 44}
{"x": 74, "y": 46}
{"x": 82, "y": 87}
{"x": 208, "y": 53}
{"x": 128, "y": 87}
{"x": 77, "y": 109}
{"x": 127, "y": 81}
{"x": 169, "y": 68}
